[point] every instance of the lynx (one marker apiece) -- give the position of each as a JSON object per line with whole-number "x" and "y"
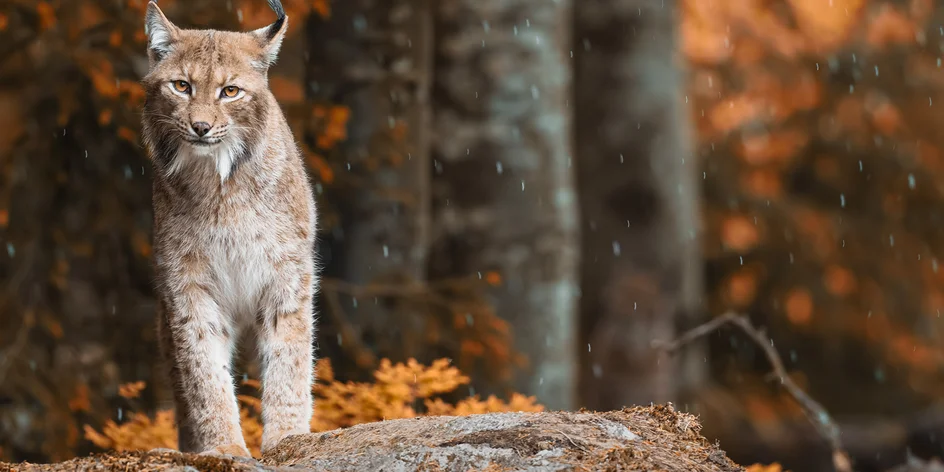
{"x": 234, "y": 229}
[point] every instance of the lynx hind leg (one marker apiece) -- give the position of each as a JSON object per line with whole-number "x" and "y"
{"x": 198, "y": 349}
{"x": 285, "y": 347}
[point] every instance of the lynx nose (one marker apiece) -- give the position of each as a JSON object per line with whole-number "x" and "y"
{"x": 201, "y": 127}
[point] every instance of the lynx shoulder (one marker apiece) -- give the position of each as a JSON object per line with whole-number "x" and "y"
{"x": 234, "y": 229}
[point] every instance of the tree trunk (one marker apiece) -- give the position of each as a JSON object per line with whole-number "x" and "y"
{"x": 641, "y": 272}
{"x": 375, "y": 58}
{"x": 503, "y": 195}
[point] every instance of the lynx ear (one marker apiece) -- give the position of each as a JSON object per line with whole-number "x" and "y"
{"x": 162, "y": 34}
{"x": 270, "y": 37}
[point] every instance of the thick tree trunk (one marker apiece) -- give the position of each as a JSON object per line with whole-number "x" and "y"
{"x": 502, "y": 179}
{"x": 375, "y": 58}
{"x": 641, "y": 272}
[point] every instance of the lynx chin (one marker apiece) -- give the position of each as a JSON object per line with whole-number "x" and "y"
{"x": 234, "y": 230}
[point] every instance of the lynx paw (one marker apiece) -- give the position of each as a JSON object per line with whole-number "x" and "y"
{"x": 235, "y": 450}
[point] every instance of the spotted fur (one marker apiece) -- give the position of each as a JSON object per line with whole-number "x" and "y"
{"x": 234, "y": 229}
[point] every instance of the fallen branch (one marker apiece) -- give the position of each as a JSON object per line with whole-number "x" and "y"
{"x": 815, "y": 412}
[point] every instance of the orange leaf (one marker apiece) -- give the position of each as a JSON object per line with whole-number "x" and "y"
{"x": 839, "y": 280}
{"x": 134, "y": 91}
{"x": 772, "y": 147}
{"x": 141, "y": 243}
{"x": 131, "y": 389}
{"x": 89, "y": 15}
{"x": 286, "y": 91}
{"x": 889, "y": 26}
{"x": 318, "y": 163}
{"x": 104, "y": 118}
{"x": 53, "y": 327}
{"x": 775, "y": 467}
{"x": 826, "y": 26}
{"x": 742, "y": 288}
{"x": 762, "y": 183}
{"x": 739, "y": 233}
{"x": 127, "y": 134}
{"x": 493, "y": 278}
{"x": 322, "y": 8}
{"x": 731, "y": 114}
{"x": 102, "y": 75}
{"x": 886, "y": 117}
{"x": 472, "y": 348}
{"x": 80, "y": 402}
{"x": 799, "y": 306}
{"x": 114, "y": 39}
{"x": 47, "y": 15}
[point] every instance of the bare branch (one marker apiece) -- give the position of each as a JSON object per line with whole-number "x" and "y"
{"x": 815, "y": 412}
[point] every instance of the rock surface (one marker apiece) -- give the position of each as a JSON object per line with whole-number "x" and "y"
{"x": 651, "y": 438}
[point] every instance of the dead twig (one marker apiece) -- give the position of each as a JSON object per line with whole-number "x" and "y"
{"x": 574, "y": 443}
{"x": 815, "y": 412}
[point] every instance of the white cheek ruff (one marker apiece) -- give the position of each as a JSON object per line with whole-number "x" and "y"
{"x": 225, "y": 158}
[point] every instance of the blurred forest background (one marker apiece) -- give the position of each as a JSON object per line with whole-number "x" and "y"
{"x": 535, "y": 189}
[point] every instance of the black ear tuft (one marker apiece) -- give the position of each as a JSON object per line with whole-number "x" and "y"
{"x": 271, "y": 36}
{"x": 276, "y": 6}
{"x": 273, "y": 30}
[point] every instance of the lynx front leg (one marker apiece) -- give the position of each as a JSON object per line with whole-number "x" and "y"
{"x": 167, "y": 349}
{"x": 201, "y": 355}
{"x": 287, "y": 370}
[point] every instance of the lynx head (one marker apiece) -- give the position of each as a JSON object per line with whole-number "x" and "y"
{"x": 207, "y": 91}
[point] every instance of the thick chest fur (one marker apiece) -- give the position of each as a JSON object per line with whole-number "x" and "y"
{"x": 248, "y": 246}
{"x": 242, "y": 261}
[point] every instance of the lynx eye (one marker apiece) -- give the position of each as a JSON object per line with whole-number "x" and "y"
{"x": 229, "y": 91}
{"x": 181, "y": 86}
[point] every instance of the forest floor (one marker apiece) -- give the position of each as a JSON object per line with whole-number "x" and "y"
{"x": 641, "y": 438}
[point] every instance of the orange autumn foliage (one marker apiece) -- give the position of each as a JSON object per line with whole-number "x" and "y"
{"x": 334, "y": 127}
{"x": 799, "y": 306}
{"x": 395, "y": 393}
{"x": 775, "y": 467}
{"x": 839, "y": 280}
{"x": 741, "y": 288}
{"x": 493, "y": 278}
{"x": 739, "y": 234}
{"x": 80, "y": 399}
{"x": 139, "y": 432}
{"x": 131, "y": 390}
{"x": 286, "y": 91}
